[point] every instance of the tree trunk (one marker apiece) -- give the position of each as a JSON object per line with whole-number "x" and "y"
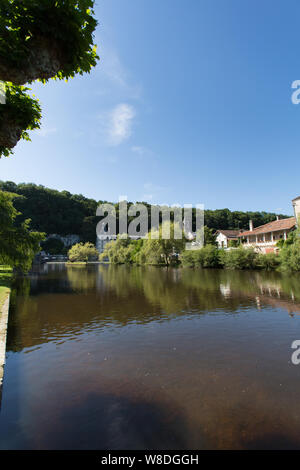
{"x": 10, "y": 134}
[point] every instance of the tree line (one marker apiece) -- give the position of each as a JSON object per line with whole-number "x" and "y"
{"x": 63, "y": 213}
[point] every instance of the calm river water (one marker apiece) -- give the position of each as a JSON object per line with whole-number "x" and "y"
{"x": 106, "y": 357}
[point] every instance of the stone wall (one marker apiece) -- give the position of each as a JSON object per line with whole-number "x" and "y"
{"x": 296, "y": 204}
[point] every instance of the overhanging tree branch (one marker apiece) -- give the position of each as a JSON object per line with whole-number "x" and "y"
{"x": 39, "y": 40}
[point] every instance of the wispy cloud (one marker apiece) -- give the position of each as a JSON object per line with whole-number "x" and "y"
{"x": 114, "y": 71}
{"x": 45, "y": 131}
{"x": 119, "y": 123}
{"x": 153, "y": 191}
{"x": 141, "y": 151}
{"x": 154, "y": 187}
{"x": 147, "y": 197}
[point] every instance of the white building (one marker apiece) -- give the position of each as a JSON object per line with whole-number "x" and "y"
{"x": 225, "y": 236}
{"x": 102, "y": 240}
{"x": 265, "y": 237}
{"x": 296, "y": 206}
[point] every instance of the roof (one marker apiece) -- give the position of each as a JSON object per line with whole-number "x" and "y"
{"x": 229, "y": 233}
{"x": 281, "y": 224}
{"x": 296, "y": 198}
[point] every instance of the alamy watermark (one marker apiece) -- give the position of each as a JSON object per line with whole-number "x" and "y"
{"x": 154, "y": 222}
{"x": 2, "y": 93}
{"x": 296, "y": 354}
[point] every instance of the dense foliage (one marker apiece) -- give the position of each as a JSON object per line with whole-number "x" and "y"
{"x": 268, "y": 261}
{"x": 206, "y": 257}
{"x": 243, "y": 258}
{"x": 238, "y": 258}
{"x": 154, "y": 249}
{"x": 290, "y": 257}
{"x": 209, "y": 236}
{"x": 121, "y": 251}
{"x": 52, "y": 211}
{"x": 224, "y": 219}
{"x": 18, "y": 244}
{"x": 53, "y": 246}
{"x": 157, "y": 249}
{"x": 63, "y": 213}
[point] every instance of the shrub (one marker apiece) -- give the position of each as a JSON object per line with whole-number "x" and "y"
{"x": 268, "y": 261}
{"x": 290, "y": 257}
{"x": 239, "y": 258}
{"x": 83, "y": 252}
{"x": 187, "y": 258}
{"x": 206, "y": 257}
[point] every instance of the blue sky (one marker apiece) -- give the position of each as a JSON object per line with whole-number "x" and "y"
{"x": 190, "y": 103}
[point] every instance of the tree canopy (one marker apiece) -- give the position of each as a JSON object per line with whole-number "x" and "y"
{"x": 39, "y": 40}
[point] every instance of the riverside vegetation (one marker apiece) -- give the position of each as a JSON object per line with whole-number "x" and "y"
{"x": 171, "y": 252}
{"x": 23, "y": 229}
{"x": 18, "y": 243}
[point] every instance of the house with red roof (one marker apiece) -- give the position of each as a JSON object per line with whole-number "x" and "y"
{"x": 265, "y": 237}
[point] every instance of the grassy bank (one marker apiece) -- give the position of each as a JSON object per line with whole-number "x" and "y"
{"x": 5, "y": 280}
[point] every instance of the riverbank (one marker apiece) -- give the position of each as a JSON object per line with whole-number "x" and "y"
{"x": 3, "y": 333}
{"x": 5, "y": 280}
{"x": 82, "y": 263}
{"x": 209, "y": 256}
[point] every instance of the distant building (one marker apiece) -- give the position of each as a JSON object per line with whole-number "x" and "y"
{"x": 225, "y": 236}
{"x": 102, "y": 240}
{"x": 265, "y": 237}
{"x": 296, "y": 206}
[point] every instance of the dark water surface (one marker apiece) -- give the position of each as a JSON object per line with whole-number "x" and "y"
{"x": 110, "y": 357}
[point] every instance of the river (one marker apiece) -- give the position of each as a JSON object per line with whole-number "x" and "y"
{"x": 116, "y": 357}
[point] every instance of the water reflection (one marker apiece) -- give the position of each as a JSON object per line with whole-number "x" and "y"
{"x": 133, "y": 357}
{"x": 119, "y": 295}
